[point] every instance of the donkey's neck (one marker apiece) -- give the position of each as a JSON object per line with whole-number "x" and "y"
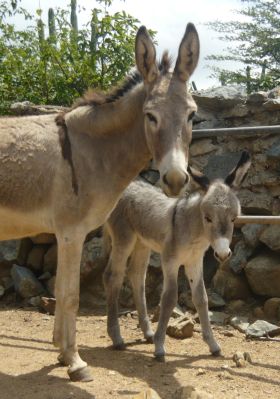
{"x": 108, "y": 118}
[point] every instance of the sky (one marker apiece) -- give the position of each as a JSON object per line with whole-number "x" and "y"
{"x": 169, "y": 19}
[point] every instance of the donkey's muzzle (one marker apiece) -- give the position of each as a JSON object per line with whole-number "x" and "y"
{"x": 222, "y": 257}
{"x": 174, "y": 181}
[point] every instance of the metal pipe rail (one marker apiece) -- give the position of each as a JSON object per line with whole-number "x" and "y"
{"x": 248, "y": 219}
{"x": 235, "y": 131}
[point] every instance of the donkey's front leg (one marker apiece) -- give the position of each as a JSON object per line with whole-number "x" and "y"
{"x": 67, "y": 291}
{"x": 168, "y": 302}
{"x": 200, "y": 301}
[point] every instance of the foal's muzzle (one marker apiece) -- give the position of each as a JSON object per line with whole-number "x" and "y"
{"x": 222, "y": 257}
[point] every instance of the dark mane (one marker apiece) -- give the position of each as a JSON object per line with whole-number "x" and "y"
{"x": 94, "y": 98}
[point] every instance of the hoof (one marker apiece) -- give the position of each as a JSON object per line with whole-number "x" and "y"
{"x": 150, "y": 340}
{"x": 119, "y": 347}
{"x": 217, "y": 353}
{"x": 82, "y": 375}
{"x": 160, "y": 358}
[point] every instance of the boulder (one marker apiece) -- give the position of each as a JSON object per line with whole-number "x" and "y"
{"x": 50, "y": 259}
{"x": 251, "y": 234}
{"x": 271, "y": 237}
{"x": 263, "y": 274}
{"x": 220, "y": 98}
{"x": 147, "y": 394}
{"x": 255, "y": 203}
{"x": 191, "y": 392}
{"x": 26, "y": 283}
{"x": 230, "y": 285}
{"x": 180, "y": 328}
{"x": 9, "y": 250}
{"x": 35, "y": 258}
{"x": 239, "y": 257}
{"x": 271, "y": 308}
{"x": 261, "y": 328}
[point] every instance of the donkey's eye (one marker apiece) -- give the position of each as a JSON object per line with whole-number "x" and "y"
{"x": 208, "y": 219}
{"x": 233, "y": 220}
{"x": 191, "y": 116}
{"x": 151, "y": 117}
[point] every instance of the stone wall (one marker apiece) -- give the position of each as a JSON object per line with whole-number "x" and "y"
{"x": 254, "y": 269}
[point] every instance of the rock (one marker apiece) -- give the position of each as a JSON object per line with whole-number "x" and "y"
{"x": 274, "y": 93}
{"x": 181, "y": 328}
{"x": 35, "y": 257}
{"x": 257, "y": 98}
{"x": 9, "y": 250}
{"x": 2, "y": 291}
{"x": 26, "y": 284}
{"x": 273, "y": 153}
{"x": 91, "y": 251}
{"x": 44, "y": 238}
{"x": 190, "y": 392}
{"x": 236, "y": 305}
{"x": 251, "y": 233}
{"x": 5, "y": 270}
{"x": 214, "y": 300}
{"x": 47, "y": 305}
{"x": 185, "y": 300}
{"x": 271, "y": 237}
{"x": 271, "y": 308}
{"x": 201, "y": 147}
{"x": 261, "y": 328}
{"x": 241, "y": 359}
{"x": 220, "y": 98}
{"x": 45, "y": 276}
{"x": 25, "y": 247}
{"x": 35, "y": 301}
{"x": 230, "y": 285}
{"x": 147, "y": 394}
{"x": 272, "y": 104}
{"x": 217, "y": 317}
{"x": 240, "y": 323}
{"x": 28, "y": 108}
{"x": 239, "y": 257}
{"x": 50, "y": 259}
{"x": 263, "y": 274}
{"x": 50, "y": 284}
{"x": 8, "y": 284}
{"x": 258, "y": 312}
{"x": 255, "y": 203}
{"x": 176, "y": 313}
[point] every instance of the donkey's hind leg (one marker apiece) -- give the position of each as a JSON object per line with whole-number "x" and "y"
{"x": 200, "y": 300}
{"x": 113, "y": 279}
{"x": 137, "y": 269}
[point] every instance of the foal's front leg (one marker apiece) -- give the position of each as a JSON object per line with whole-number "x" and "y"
{"x": 200, "y": 301}
{"x": 168, "y": 302}
{"x": 67, "y": 291}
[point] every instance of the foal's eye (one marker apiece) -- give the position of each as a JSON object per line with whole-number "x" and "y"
{"x": 233, "y": 220}
{"x": 208, "y": 219}
{"x": 191, "y": 116}
{"x": 151, "y": 117}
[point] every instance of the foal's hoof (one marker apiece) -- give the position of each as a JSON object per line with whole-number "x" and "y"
{"x": 217, "y": 353}
{"x": 82, "y": 375}
{"x": 119, "y": 347}
{"x": 160, "y": 358}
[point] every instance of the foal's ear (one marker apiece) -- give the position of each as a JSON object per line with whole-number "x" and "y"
{"x": 188, "y": 54}
{"x": 238, "y": 174}
{"x": 199, "y": 178}
{"x": 145, "y": 54}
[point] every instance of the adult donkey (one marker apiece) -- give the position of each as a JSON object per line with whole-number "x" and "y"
{"x": 66, "y": 179}
{"x": 181, "y": 230}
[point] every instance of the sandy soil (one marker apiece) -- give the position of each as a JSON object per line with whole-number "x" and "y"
{"x": 29, "y": 369}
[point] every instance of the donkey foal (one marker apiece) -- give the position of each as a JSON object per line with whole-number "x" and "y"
{"x": 181, "y": 230}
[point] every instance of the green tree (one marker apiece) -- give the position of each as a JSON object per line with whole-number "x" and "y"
{"x": 257, "y": 40}
{"x": 56, "y": 63}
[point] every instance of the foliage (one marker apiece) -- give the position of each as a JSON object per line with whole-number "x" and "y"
{"x": 257, "y": 35}
{"x": 57, "y": 67}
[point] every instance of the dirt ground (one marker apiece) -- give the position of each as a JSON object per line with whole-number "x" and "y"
{"x": 29, "y": 369}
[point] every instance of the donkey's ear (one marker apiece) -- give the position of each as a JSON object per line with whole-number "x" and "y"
{"x": 145, "y": 54}
{"x": 188, "y": 54}
{"x": 199, "y": 178}
{"x": 238, "y": 174}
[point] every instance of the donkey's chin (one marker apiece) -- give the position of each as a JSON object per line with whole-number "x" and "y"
{"x": 173, "y": 191}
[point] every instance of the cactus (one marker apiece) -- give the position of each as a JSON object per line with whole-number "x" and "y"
{"x": 93, "y": 38}
{"x": 51, "y": 23}
{"x": 41, "y": 35}
{"x": 73, "y": 16}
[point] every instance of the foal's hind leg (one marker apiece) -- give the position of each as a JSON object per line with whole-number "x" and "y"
{"x": 137, "y": 269}
{"x": 113, "y": 279}
{"x": 200, "y": 300}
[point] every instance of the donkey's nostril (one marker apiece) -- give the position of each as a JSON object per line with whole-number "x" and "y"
{"x": 164, "y": 179}
{"x": 187, "y": 179}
